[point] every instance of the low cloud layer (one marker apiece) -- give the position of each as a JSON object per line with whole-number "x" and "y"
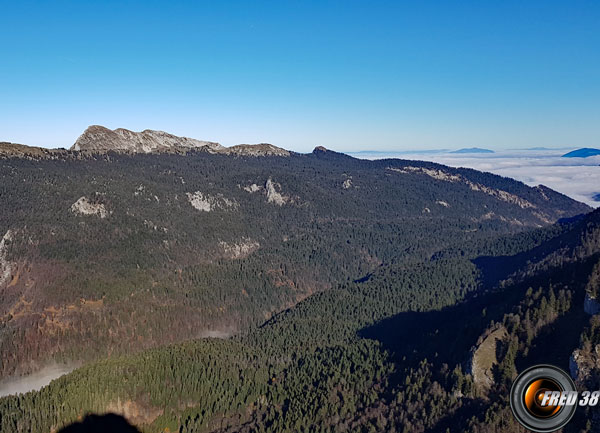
{"x": 34, "y": 381}
{"x": 579, "y": 178}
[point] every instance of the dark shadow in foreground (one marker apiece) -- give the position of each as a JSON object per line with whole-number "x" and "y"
{"x": 101, "y": 424}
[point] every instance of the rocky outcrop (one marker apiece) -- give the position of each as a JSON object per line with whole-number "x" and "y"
{"x": 5, "y": 265}
{"x": 239, "y": 250}
{"x": 483, "y": 358}
{"x": 252, "y": 188}
{"x": 262, "y": 149}
{"x": 207, "y": 203}
{"x": 584, "y": 365}
{"x": 83, "y": 206}
{"x": 100, "y": 139}
{"x": 274, "y": 196}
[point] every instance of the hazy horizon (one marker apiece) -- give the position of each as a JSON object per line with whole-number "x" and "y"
{"x": 407, "y": 150}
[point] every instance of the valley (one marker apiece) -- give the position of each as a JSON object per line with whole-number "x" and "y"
{"x": 344, "y": 294}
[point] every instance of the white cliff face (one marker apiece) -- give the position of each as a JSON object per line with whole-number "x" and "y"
{"x": 99, "y": 138}
{"x": 84, "y": 207}
{"x": 274, "y": 196}
{"x": 207, "y": 203}
{"x": 5, "y": 265}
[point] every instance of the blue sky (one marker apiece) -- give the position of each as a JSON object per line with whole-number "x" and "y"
{"x": 347, "y": 75}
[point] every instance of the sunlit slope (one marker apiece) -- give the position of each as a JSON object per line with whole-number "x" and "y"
{"x": 108, "y": 254}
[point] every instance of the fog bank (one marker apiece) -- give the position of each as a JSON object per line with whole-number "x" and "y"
{"x": 33, "y": 381}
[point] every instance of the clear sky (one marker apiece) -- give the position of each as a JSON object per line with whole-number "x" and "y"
{"x": 348, "y": 75}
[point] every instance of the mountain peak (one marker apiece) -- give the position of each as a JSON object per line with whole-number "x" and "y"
{"x": 260, "y": 149}
{"x": 101, "y": 139}
{"x": 97, "y": 138}
{"x": 584, "y": 152}
{"x": 473, "y": 150}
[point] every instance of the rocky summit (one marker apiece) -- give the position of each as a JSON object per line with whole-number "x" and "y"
{"x": 99, "y": 139}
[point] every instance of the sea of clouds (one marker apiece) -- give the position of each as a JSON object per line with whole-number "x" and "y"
{"x": 578, "y": 178}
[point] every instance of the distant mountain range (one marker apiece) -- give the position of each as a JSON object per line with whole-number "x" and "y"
{"x": 582, "y": 153}
{"x": 473, "y": 150}
{"x": 396, "y": 152}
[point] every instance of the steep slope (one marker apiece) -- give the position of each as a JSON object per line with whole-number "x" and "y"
{"x": 375, "y": 355}
{"x": 115, "y": 253}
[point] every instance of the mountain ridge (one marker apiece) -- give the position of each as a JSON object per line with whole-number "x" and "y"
{"x": 97, "y": 138}
{"x": 584, "y": 152}
{"x": 332, "y": 275}
{"x": 100, "y": 138}
{"x": 174, "y": 225}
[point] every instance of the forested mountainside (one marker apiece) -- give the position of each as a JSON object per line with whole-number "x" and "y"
{"x": 355, "y": 291}
{"x": 394, "y": 352}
